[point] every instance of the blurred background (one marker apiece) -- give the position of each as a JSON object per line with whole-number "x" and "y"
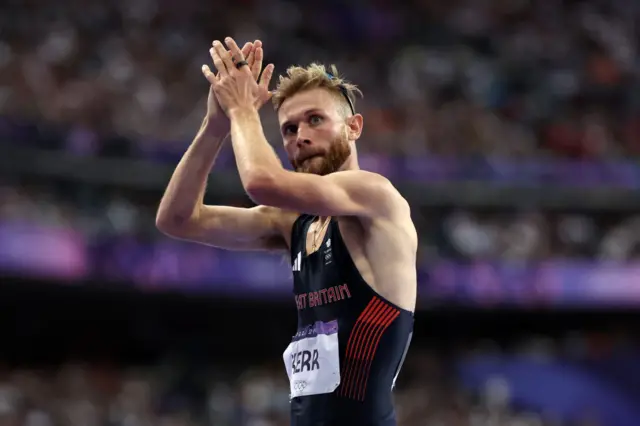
{"x": 511, "y": 126}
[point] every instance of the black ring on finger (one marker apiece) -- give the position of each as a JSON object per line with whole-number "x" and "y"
{"x": 242, "y": 63}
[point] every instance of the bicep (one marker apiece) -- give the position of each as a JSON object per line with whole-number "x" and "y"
{"x": 235, "y": 228}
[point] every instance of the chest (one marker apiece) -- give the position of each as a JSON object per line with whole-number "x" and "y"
{"x": 340, "y": 233}
{"x": 319, "y": 262}
{"x": 315, "y": 234}
{"x": 324, "y": 277}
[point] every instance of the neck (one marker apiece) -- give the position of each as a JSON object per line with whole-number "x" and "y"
{"x": 350, "y": 164}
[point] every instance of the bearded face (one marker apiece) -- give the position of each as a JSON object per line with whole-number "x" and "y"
{"x": 322, "y": 160}
{"x": 315, "y": 130}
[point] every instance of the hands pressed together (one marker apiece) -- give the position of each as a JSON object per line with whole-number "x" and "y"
{"x": 236, "y": 85}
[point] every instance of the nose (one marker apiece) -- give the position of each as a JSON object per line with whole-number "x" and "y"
{"x": 300, "y": 142}
{"x": 302, "y": 137}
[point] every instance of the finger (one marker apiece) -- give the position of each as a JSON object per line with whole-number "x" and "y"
{"x": 247, "y": 49}
{"x": 217, "y": 62}
{"x": 265, "y": 79}
{"x": 223, "y": 57}
{"x": 235, "y": 50}
{"x": 209, "y": 75}
{"x": 251, "y": 60}
{"x": 257, "y": 63}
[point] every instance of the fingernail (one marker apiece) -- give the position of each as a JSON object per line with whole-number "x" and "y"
{"x": 216, "y": 42}
{"x": 227, "y": 39}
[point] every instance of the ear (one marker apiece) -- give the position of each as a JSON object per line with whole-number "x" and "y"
{"x": 354, "y": 126}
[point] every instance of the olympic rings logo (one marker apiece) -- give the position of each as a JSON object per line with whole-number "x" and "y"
{"x": 299, "y": 385}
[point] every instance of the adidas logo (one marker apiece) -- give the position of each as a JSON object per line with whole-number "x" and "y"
{"x": 297, "y": 263}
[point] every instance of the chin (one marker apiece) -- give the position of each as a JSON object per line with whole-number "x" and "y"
{"x": 315, "y": 166}
{"x": 319, "y": 166}
{"x": 310, "y": 170}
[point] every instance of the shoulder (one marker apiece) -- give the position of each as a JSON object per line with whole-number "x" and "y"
{"x": 373, "y": 188}
{"x": 391, "y": 206}
{"x": 365, "y": 180}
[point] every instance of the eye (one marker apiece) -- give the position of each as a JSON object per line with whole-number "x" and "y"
{"x": 315, "y": 120}
{"x": 290, "y": 129}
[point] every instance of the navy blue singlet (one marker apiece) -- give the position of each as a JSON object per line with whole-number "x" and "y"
{"x": 350, "y": 343}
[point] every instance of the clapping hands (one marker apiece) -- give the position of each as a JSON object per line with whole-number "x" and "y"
{"x": 236, "y": 84}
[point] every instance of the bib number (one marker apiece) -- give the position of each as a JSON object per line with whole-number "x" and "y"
{"x": 312, "y": 360}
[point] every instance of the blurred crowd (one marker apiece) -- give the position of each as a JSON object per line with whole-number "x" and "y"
{"x": 453, "y": 78}
{"x": 460, "y": 77}
{"x": 524, "y": 235}
{"x": 175, "y": 392}
{"x": 445, "y": 232}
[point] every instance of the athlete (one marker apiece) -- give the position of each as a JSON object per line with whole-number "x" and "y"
{"x": 349, "y": 232}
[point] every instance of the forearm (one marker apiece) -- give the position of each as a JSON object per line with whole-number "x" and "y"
{"x": 254, "y": 156}
{"x": 185, "y": 192}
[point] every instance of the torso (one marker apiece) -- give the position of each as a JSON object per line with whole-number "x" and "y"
{"x": 355, "y": 295}
{"x": 384, "y": 253}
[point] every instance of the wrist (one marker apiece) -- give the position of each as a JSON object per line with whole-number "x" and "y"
{"x": 241, "y": 112}
{"x": 213, "y": 128}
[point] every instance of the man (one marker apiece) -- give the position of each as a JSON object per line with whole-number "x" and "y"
{"x": 349, "y": 232}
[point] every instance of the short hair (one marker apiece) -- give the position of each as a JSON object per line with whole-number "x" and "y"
{"x": 299, "y": 79}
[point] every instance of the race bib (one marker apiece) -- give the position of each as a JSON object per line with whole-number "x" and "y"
{"x": 312, "y": 360}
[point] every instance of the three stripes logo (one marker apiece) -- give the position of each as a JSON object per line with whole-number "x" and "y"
{"x": 297, "y": 263}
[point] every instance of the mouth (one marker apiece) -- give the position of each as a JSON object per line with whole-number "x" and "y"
{"x": 309, "y": 157}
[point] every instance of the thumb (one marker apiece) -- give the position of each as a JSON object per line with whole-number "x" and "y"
{"x": 208, "y": 74}
{"x": 264, "y": 98}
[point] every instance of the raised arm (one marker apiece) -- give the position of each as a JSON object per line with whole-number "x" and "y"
{"x": 234, "y": 228}
{"x": 355, "y": 192}
{"x": 182, "y": 213}
{"x": 348, "y": 193}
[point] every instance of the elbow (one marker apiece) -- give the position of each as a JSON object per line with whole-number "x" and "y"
{"x": 261, "y": 186}
{"x": 170, "y": 224}
{"x": 164, "y": 223}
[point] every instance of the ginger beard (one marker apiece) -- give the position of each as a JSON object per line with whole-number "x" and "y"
{"x": 325, "y": 162}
